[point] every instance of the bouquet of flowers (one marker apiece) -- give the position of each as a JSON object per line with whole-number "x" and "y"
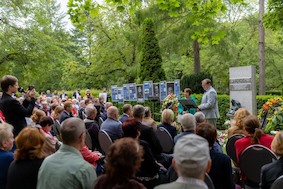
{"x": 222, "y": 137}
{"x": 171, "y": 102}
{"x": 271, "y": 115}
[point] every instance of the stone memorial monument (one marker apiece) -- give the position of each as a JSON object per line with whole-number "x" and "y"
{"x": 243, "y": 87}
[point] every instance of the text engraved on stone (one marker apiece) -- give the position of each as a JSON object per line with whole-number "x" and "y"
{"x": 240, "y": 80}
{"x": 241, "y": 87}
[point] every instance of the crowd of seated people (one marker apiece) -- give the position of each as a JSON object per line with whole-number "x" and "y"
{"x": 133, "y": 129}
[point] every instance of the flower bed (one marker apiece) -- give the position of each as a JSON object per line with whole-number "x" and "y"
{"x": 271, "y": 115}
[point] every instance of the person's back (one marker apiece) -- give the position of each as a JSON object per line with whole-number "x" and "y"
{"x": 270, "y": 172}
{"x": 221, "y": 171}
{"x": 191, "y": 161}
{"x": 111, "y": 125}
{"x": 29, "y": 155}
{"x": 23, "y": 173}
{"x": 66, "y": 169}
{"x": 6, "y": 157}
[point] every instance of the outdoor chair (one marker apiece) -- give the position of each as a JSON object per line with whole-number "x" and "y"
{"x": 104, "y": 141}
{"x": 230, "y": 146}
{"x": 252, "y": 159}
{"x": 100, "y": 121}
{"x": 88, "y": 140}
{"x": 165, "y": 139}
{"x": 208, "y": 181}
{"x": 278, "y": 183}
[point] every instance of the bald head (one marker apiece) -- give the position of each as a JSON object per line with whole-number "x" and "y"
{"x": 71, "y": 131}
{"x": 188, "y": 122}
{"x": 112, "y": 112}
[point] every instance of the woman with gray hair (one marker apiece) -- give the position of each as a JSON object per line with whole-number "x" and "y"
{"x": 147, "y": 120}
{"x": 6, "y": 157}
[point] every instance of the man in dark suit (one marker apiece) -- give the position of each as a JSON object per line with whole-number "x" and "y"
{"x": 92, "y": 126}
{"x": 63, "y": 95}
{"x": 67, "y": 113}
{"x": 76, "y": 94}
{"x": 13, "y": 111}
{"x": 147, "y": 132}
{"x": 127, "y": 112}
{"x": 112, "y": 125}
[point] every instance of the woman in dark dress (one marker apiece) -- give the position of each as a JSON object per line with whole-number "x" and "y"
{"x": 23, "y": 171}
{"x": 122, "y": 162}
{"x": 167, "y": 120}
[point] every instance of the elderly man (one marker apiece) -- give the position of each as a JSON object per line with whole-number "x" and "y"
{"x": 188, "y": 124}
{"x": 209, "y": 103}
{"x": 127, "y": 112}
{"x": 191, "y": 162}
{"x": 92, "y": 126}
{"x": 147, "y": 133}
{"x": 66, "y": 169}
{"x": 200, "y": 118}
{"x": 112, "y": 125}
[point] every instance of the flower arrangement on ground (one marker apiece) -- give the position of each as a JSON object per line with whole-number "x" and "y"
{"x": 271, "y": 115}
{"x": 171, "y": 102}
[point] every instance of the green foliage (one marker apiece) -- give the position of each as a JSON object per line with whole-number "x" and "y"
{"x": 151, "y": 68}
{"x": 193, "y": 81}
{"x": 274, "y": 16}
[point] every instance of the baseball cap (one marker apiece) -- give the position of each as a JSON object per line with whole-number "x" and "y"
{"x": 191, "y": 151}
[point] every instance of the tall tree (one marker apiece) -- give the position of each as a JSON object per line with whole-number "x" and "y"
{"x": 151, "y": 63}
{"x": 261, "y": 49}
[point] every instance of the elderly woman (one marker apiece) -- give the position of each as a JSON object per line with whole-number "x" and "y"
{"x": 167, "y": 119}
{"x": 147, "y": 120}
{"x": 29, "y": 156}
{"x": 122, "y": 162}
{"x": 238, "y": 126}
{"x": 6, "y": 157}
{"x": 271, "y": 171}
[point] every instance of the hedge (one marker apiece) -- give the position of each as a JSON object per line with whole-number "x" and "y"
{"x": 223, "y": 104}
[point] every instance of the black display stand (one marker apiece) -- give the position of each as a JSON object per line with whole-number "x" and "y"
{"x": 154, "y": 100}
{"x": 187, "y": 104}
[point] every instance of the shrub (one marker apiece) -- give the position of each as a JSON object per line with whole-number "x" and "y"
{"x": 150, "y": 68}
{"x": 194, "y": 81}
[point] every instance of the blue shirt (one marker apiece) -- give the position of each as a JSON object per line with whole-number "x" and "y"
{"x": 5, "y": 160}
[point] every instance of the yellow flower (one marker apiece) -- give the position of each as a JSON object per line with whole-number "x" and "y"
{"x": 275, "y": 112}
{"x": 269, "y": 118}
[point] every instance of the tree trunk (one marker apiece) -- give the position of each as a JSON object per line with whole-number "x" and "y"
{"x": 196, "y": 57}
{"x": 261, "y": 45}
